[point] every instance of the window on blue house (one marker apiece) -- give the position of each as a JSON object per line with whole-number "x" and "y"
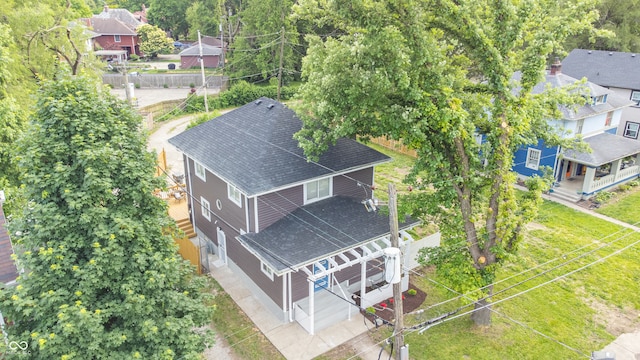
{"x": 533, "y": 159}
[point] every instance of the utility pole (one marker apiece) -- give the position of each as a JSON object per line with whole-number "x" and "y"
{"x": 204, "y": 79}
{"x": 221, "y": 43}
{"x": 127, "y": 91}
{"x": 280, "y": 67}
{"x": 398, "y": 341}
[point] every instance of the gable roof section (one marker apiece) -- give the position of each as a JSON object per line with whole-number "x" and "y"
{"x": 559, "y": 80}
{"x": 605, "y": 68}
{"x": 316, "y": 231}
{"x": 252, "y": 147}
{"x": 110, "y": 27}
{"x": 207, "y": 50}
{"x": 605, "y": 148}
{"x": 8, "y": 270}
{"x": 122, "y": 15}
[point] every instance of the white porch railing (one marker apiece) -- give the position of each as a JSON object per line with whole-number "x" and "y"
{"x": 608, "y": 180}
{"x": 376, "y": 296}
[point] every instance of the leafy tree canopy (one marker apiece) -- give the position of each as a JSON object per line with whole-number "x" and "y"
{"x": 102, "y": 275}
{"x": 435, "y": 74}
{"x": 255, "y": 54}
{"x": 154, "y": 41}
{"x": 170, "y": 15}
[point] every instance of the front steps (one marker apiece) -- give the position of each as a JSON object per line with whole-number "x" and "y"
{"x": 186, "y": 226}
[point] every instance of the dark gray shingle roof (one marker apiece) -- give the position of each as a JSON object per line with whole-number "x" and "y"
{"x": 561, "y": 79}
{"x": 110, "y": 27}
{"x": 252, "y": 147}
{"x": 605, "y": 68}
{"x": 605, "y": 148}
{"x": 304, "y": 235}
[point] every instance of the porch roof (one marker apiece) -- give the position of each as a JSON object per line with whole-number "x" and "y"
{"x": 316, "y": 231}
{"x": 605, "y": 148}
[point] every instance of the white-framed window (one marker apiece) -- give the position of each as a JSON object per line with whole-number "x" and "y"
{"x": 317, "y": 190}
{"x": 201, "y": 171}
{"x": 234, "y": 194}
{"x": 631, "y": 130}
{"x": 116, "y": 38}
{"x": 579, "y": 126}
{"x": 533, "y": 158}
{"x": 205, "y": 208}
{"x": 635, "y": 96}
{"x": 600, "y": 99}
{"x": 266, "y": 270}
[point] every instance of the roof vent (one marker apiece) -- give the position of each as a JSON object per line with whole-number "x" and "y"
{"x": 610, "y": 53}
{"x": 270, "y": 106}
{"x": 258, "y": 102}
{"x": 589, "y": 52}
{"x": 633, "y": 55}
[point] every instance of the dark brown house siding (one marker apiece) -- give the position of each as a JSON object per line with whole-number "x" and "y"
{"x": 251, "y": 266}
{"x": 347, "y": 185}
{"x": 212, "y": 190}
{"x": 274, "y": 206}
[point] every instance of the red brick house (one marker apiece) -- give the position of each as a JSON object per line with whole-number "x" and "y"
{"x": 115, "y": 30}
{"x": 211, "y": 55}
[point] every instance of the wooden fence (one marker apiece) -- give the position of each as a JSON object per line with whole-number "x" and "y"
{"x": 395, "y": 146}
{"x": 189, "y": 251}
{"x": 161, "y": 168}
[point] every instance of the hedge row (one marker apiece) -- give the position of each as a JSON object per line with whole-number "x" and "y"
{"x": 239, "y": 94}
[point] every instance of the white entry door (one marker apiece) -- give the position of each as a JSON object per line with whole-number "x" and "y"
{"x": 222, "y": 246}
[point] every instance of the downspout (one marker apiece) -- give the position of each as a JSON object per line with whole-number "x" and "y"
{"x": 290, "y": 297}
{"x": 192, "y": 197}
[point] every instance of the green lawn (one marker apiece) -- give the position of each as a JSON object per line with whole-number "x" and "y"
{"x": 573, "y": 310}
{"x": 625, "y": 206}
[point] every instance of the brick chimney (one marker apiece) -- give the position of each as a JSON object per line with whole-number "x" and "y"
{"x": 556, "y": 67}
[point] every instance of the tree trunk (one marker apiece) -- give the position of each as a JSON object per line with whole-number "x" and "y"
{"x": 481, "y": 315}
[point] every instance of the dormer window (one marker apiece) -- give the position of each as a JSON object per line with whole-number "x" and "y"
{"x": 317, "y": 190}
{"x": 600, "y": 99}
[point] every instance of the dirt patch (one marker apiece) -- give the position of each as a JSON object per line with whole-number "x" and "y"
{"x": 385, "y": 309}
{"x": 616, "y": 321}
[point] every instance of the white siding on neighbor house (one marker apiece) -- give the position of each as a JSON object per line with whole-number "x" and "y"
{"x": 590, "y": 126}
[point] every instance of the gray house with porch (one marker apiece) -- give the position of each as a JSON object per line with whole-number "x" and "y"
{"x": 295, "y": 231}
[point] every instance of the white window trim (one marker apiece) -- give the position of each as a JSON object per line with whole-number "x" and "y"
{"x": 231, "y": 190}
{"x": 626, "y": 129}
{"x": 309, "y": 201}
{"x": 117, "y": 38}
{"x": 202, "y": 174}
{"x": 635, "y": 95}
{"x": 205, "y": 208}
{"x": 266, "y": 269}
{"x": 528, "y": 163}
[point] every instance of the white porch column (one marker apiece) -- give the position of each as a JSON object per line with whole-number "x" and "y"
{"x": 363, "y": 282}
{"x": 589, "y": 176}
{"x": 312, "y": 309}
{"x": 615, "y": 167}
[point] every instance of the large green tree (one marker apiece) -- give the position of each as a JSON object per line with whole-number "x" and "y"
{"x": 102, "y": 276}
{"x": 154, "y": 41}
{"x": 205, "y": 16}
{"x": 261, "y": 45}
{"x": 435, "y": 74}
{"x": 615, "y": 29}
{"x": 170, "y": 15}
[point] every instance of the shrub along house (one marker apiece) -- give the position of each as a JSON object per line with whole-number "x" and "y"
{"x": 613, "y": 159}
{"x": 295, "y": 231}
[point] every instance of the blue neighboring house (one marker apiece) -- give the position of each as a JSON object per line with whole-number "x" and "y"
{"x": 613, "y": 159}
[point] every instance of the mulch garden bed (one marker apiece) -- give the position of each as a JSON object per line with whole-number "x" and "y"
{"x": 385, "y": 309}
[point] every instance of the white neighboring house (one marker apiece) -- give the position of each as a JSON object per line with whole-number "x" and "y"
{"x": 617, "y": 71}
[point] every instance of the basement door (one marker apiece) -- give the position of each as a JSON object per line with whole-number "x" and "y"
{"x": 222, "y": 246}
